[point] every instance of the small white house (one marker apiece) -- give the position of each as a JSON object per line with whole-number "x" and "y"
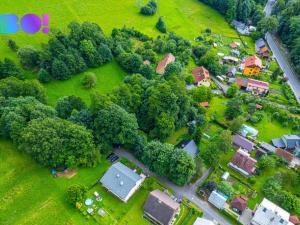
{"x": 225, "y": 176}
{"x": 217, "y": 199}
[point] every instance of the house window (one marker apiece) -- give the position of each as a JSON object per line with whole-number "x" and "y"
{"x": 281, "y": 221}
{"x": 264, "y": 210}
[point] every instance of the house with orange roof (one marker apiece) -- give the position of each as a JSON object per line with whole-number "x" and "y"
{"x": 252, "y": 66}
{"x": 169, "y": 58}
{"x": 201, "y": 76}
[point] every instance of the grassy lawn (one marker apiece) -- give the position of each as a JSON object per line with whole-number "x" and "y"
{"x": 28, "y": 192}
{"x": 269, "y": 130}
{"x": 184, "y": 17}
{"x": 177, "y": 136}
{"x": 217, "y": 107}
{"x": 108, "y": 76}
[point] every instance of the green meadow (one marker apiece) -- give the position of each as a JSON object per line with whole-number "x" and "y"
{"x": 187, "y": 18}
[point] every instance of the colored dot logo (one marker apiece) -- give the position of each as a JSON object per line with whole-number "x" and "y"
{"x": 29, "y": 23}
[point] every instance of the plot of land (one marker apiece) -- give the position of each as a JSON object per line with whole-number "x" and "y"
{"x": 29, "y": 193}
{"x": 108, "y": 76}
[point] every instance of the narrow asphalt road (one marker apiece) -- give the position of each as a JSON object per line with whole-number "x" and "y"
{"x": 281, "y": 56}
{"x": 188, "y": 191}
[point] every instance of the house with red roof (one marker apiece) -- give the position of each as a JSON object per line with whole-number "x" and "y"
{"x": 169, "y": 58}
{"x": 284, "y": 155}
{"x": 252, "y": 66}
{"x": 294, "y": 219}
{"x": 239, "y": 204}
{"x": 257, "y": 87}
{"x": 204, "y": 104}
{"x": 243, "y": 163}
{"x": 201, "y": 76}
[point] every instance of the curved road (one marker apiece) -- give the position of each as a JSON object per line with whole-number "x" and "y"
{"x": 188, "y": 191}
{"x": 281, "y": 57}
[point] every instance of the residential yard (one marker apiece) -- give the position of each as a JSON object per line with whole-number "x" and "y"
{"x": 177, "y": 136}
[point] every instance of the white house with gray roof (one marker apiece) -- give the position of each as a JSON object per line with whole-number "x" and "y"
{"x": 122, "y": 181}
{"x": 268, "y": 213}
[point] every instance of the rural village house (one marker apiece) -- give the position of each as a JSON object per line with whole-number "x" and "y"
{"x": 160, "y": 208}
{"x": 252, "y": 65}
{"x": 218, "y": 199}
{"x": 256, "y": 87}
{"x": 242, "y": 142}
{"x": 122, "y": 181}
{"x": 169, "y": 58}
{"x": 239, "y": 204}
{"x": 243, "y": 163}
{"x": 201, "y": 76}
{"x": 268, "y": 213}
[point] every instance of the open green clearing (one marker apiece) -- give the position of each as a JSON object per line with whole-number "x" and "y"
{"x": 30, "y": 195}
{"x": 108, "y": 77}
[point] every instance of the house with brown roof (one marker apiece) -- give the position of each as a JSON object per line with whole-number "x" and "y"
{"x": 294, "y": 219}
{"x": 169, "y": 58}
{"x": 239, "y": 204}
{"x": 204, "y": 104}
{"x": 284, "y": 155}
{"x": 160, "y": 208}
{"x": 243, "y": 163}
{"x": 252, "y": 65}
{"x": 242, "y": 142}
{"x": 257, "y": 87}
{"x": 201, "y": 76}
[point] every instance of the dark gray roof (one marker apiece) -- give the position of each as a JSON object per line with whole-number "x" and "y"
{"x": 243, "y": 142}
{"x": 260, "y": 43}
{"x": 120, "y": 180}
{"x": 267, "y": 147}
{"x": 278, "y": 143}
{"x": 191, "y": 148}
{"x": 160, "y": 207}
{"x": 291, "y": 141}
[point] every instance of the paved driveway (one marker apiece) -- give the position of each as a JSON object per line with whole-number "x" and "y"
{"x": 187, "y": 191}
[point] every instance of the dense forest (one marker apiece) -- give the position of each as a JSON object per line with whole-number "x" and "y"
{"x": 288, "y": 14}
{"x": 248, "y": 11}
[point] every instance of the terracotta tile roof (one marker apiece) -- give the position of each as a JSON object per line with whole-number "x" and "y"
{"x": 284, "y": 154}
{"x": 258, "y": 83}
{"x": 243, "y": 161}
{"x": 200, "y": 73}
{"x": 239, "y": 203}
{"x": 241, "y": 82}
{"x": 204, "y": 104}
{"x": 253, "y": 61}
{"x": 169, "y": 58}
{"x": 294, "y": 219}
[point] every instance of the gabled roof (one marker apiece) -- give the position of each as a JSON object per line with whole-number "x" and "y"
{"x": 294, "y": 219}
{"x": 239, "y": 203}
{"x": 243, "y": 142}
{"x": 268, "y": 213}
{"x": 267, "y": 147}
{"x": 242, "y": 82}
{"x": 243, "y": 161}
{"x": 217, "y": 199}
{"x": 200, "y": 73}
{"x": 120, "y": 180}
{"x": 284, "y": 154}
{"x": 258, "y": 83}
{"x": 161, "y": 207}
{"x": 191, "y": 148}
{"x": 260, "y": 43}
{"x": 291, "y": 140}
{"x": 253, "y": 61}
{"x": 202, "y": 221}
{"x": 169, "y": 58}
{"x": 204, "y": 104}
{"x": 278, "y": 143}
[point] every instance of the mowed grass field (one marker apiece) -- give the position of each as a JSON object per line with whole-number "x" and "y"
{"x": 30, "y": 195}
{"x": 187, "y": 18}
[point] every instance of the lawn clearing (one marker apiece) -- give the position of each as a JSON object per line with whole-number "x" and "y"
{"x": 177, "y": 136}
{"x": 184, "y": 17}
{"x": 28, "y": 192}
{"x": 108, "y": 76}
